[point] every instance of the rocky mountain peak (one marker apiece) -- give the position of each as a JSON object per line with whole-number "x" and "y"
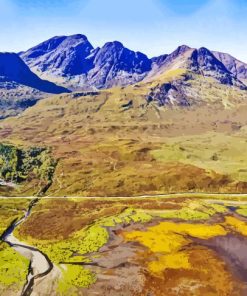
{"x": 61, "y": 55}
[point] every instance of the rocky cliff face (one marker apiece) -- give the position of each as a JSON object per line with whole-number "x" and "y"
{"x": 238, "y": 68}
{"x": 72, "y": 61}
{"x": 60, "y": 56}
{"x": 113, "y": 64}
{"x": 201, "y": 61}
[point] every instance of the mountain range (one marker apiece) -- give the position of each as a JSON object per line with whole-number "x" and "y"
{"x": 70, "y": 63}
{"x": 118, "y": 123}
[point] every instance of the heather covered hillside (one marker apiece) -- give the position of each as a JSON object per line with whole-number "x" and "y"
{"x": 123, "y": 148}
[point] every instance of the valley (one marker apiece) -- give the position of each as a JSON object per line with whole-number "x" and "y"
{"x": 122, "y": 174}
{"x": 107, "y": 246}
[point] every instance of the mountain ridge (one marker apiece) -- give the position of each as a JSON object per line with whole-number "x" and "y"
{"x": 115, "y": 65}
{"x": 92, "y": 67}
{"x": 71, "y": 63}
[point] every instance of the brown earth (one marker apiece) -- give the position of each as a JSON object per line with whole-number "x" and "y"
{"x": 122, "y": 270}
{"x": 74, "y": 215}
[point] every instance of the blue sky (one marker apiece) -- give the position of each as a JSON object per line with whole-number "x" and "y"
{"x": 151, "y": 26}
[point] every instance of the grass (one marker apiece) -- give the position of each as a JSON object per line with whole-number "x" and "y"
{"x": 191, "y": 210}
{"x": 220, "y": 153}
{"x": 101, "y": 147}
{"x": 74, "y": 277}
{"x": 77, "y": 246}
{"x": 13, "y": 266}
{"x": 11, "y": 209}
{"x": 85, "y": 225}
{"x": 242, "y": 211}
{"x": 13, "y": 269}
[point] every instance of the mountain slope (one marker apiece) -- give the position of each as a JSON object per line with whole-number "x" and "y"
{"x": 200, "y": 61}
{"x": 12, "y": 68}
{"x": 118, "y": 142}
{"x": 64, "y": 55}
{"x": 72, "y": 62}
{"x": 116, "y": 65}
{"x": 238, "y": 68}
{"x": 20, "y": 87}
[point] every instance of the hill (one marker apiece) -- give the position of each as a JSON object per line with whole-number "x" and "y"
{"x": 130, "y": 140}
{"x": 20, "y": 87}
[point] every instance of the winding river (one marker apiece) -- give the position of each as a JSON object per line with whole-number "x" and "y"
{"x": 40, "y": 264}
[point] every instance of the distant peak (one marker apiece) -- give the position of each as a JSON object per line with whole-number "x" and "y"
{"x": 204, "y": 49}
{"x": 184, "y": 47}
{"x": 77, "y": 36}
{"x": 116, "y": 44}
{"x": 180, "y": 50}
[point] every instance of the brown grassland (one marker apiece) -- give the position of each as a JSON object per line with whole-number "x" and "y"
{"x": 105, "y": 149}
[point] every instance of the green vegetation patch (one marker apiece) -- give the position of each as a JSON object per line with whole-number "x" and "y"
{"x": 18, "y": 164}
{"x": 242, "y": 211}
{"x": 70, "y": 254}
{"x": 13, "y": 267}
{"x": 185, "y": 214}
{"x": 11, "y": 209}
{"x": 221, "y": 153}
{"x": 74, "y": 276}
{"x": 195, "y": 210}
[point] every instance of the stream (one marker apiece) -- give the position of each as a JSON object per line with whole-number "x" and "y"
{"x": 40, "y": 265}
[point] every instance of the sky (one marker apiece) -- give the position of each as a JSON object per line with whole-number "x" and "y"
{"x": 151, "y": 26}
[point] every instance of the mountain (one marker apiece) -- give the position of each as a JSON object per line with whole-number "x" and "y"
{"x": 172, "y": 115}
{"x": 12, "y": 68}
{"x": 19, "y": 86}
{"x": 238, "y": 68}
{"x": 113, "y": 64}
{"x": 60, "y": 56}
{"x": 201, "y": 61}
{"x": 72, "y": 62}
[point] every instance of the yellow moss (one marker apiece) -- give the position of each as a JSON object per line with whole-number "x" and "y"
{"x": 203, "y": 231}
{"x": 168, "y": 238}
{"x": 13, "y": 267}
{"x": 74, "y": 276}
{"x": 236, "y": 224}
{"x": 157, "y": 241}
{"x": 156, "y": 236}
{"x": 174, "y": 261}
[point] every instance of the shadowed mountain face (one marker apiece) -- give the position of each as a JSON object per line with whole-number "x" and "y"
{"x": 71, "y": 61}
{"x": 20, "y": 88}
{"x": 205, "y": 63}
{"x": 113, "y": 64}
{"x": 73, "y": 58}
{"x": 60, "y": 56}
{"x": 13, "y": 69}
